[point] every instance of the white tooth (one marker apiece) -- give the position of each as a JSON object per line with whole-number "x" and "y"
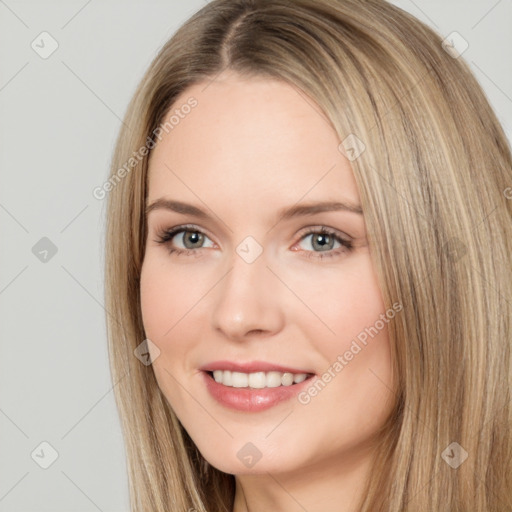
{"x": 287, "y": 379}
{"x": 299, "y": 377}
{"x": 227, "y": 378}
{"x": 240, "y": 380}
{"x": 257, "y": 380}
{"x": 273, "y": 379}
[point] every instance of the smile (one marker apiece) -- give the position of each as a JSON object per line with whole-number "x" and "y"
{"x": 257, "y": 380}
{"x": 260, "y": 387}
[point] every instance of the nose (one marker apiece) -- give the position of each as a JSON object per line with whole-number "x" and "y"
{"x": 247, "y": 301}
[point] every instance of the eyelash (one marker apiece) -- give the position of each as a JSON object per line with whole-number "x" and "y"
{"x": 166, "y": 236}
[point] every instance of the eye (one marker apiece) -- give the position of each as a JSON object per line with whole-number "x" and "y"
{"x": 187, "y": 239}
{"x": 325, "y": 243}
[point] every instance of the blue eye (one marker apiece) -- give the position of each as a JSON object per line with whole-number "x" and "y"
{"x": 325, "y": 242}
{"x": 191, "y": 238}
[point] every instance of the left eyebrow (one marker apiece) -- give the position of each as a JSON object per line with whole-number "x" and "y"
{"x": 312, "y": 208}
{"x": 284, "y": 214}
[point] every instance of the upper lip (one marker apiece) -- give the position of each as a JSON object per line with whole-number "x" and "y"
{"x": 250, "y": 367}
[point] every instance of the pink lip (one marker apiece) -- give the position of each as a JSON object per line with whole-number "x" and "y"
{"x": 250, "y": 367}
{"x": 251, "y": 399}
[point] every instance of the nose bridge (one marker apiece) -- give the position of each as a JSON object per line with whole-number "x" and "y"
{"x": 246, "y": 299}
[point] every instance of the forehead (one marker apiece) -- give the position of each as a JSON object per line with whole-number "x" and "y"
{"x": 252, "y": 139}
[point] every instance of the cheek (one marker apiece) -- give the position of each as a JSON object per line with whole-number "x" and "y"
{"x": 171, "y": 303}
{"x": 154, "y": 296}
{"x": 162, "y": 305}
{"x": 342, "y": 300}
{"x": 166, "y": 296}
{"x": 350, "y": 332}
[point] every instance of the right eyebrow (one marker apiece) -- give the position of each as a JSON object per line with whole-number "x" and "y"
{"x": 176, "y": 206}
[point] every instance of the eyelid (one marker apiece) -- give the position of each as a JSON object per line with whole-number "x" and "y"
{"x": 346, "y": 242}
{"x": 322, "y": 228}
{"x": 164, "y": 234}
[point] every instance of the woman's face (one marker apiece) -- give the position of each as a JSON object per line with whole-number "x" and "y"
{"x": 250, "y": 286}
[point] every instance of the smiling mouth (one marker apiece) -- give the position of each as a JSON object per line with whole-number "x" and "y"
{"x": 257, "y": 380}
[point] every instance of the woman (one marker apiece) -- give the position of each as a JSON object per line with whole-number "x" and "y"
{"x": 308, "y": 268}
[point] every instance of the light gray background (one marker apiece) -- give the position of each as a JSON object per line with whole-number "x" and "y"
{"x": 59, "y": 118}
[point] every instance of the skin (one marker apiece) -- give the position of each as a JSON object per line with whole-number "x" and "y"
{"x": 249, "y": 149}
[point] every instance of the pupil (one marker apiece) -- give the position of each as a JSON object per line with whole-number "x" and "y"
{"x": 319, "y": 238}
{"x": 194, "y": 237}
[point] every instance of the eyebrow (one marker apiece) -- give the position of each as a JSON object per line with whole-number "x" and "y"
{"x": 284, "y": 214}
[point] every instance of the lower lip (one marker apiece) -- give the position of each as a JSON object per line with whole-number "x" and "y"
{"x": 251, "y": 399}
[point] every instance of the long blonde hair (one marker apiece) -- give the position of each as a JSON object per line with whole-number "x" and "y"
{"x": 434, "y": 180}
